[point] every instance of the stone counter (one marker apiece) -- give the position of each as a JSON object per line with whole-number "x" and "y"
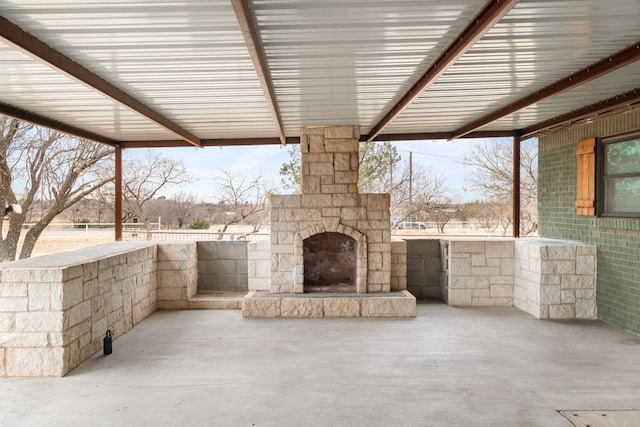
{"x": 550, "y": 279}
{"x": 56, "y": 309}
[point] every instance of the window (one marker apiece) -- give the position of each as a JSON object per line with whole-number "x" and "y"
{"x": 620, "y": 189}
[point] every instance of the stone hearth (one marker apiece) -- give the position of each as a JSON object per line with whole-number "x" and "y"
{"x": 331, "y": 245}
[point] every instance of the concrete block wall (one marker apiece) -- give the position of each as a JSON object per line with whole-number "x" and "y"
{"x": 55, "y": 311}
{"x": 177, "y": 274}
{"x": 424, "y": 268}
{"x": 222, "y": 266}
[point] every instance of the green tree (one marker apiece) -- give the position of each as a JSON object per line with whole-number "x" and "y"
{"x": 377, "y": 161}
{"x": 290, "y": 171}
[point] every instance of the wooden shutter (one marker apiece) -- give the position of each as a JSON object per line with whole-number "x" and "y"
{"x": 586, "y": 200}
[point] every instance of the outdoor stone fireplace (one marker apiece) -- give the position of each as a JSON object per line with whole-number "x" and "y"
{"x": 330, "y": 241}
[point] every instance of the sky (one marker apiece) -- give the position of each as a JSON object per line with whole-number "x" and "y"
{"x": 204, "y": 164}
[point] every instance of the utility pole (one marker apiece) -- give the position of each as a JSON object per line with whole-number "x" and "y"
{"x": 391, "y": 171}
{"x": 410, "y": 177}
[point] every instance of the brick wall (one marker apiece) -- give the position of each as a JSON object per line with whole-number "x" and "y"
{"x": 617, "y": 240}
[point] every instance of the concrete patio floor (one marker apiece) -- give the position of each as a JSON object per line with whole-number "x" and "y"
{"x": 447, "y": 367}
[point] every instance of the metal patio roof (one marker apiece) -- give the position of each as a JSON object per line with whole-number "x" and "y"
{"x": 139, "y": 73}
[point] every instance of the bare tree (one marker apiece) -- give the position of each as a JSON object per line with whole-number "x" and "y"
{"x": 144, "y": 179}
{"x": 245, "y": 200}
{"x": 45, "y": 164}
{"x": 381, "y": 170}
{"x": 492, "y": 165}
{"x": 182, "y": 208}
{"x": 430, "y": 198}
{"x": 175, "y": 211}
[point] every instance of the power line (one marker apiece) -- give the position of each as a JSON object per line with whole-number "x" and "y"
{"x": 439, "y": 156}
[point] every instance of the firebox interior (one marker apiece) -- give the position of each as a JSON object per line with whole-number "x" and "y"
{"x": 330, "y": 263}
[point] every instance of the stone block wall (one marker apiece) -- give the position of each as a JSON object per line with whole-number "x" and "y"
{"x": 527, "y": 277}
{"x": 556, "y": 281}
{"x": 259, "y": 266}
{"x": 222, "y": 266}
{"x": 424, "y": 268}
{"x": 177, "y": 274}
{"x": 296, "y": 217}
{"x": 480, "y": 273}
{"x": 330, "y": 160}
{"x": 549, "y": 279}
{"x": 398, "y": 265}
{"x": 55, "y": 312}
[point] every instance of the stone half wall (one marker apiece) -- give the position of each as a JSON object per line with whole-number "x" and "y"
{"x": 555, "y": 281}
{"x": 364, "y": 217}
{"x": 550, "y": 279}
{"x": 55, "y": 310}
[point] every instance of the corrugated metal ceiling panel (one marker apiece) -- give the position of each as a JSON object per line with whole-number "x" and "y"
{"x": 186, "y": 59}
{"x": 38, "y": 88}
{"x": 536, "y": 44}
{"x": 332, "y": 62}
{"x": 336, "y": 62}
{"x": 589, "y": 93}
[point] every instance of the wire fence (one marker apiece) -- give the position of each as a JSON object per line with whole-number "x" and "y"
{"x": 137, "y": 231}
{"x": 192, "y": 235}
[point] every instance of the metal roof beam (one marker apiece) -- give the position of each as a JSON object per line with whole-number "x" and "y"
{"x": 488, "y": 16}
{"x": 626, "y": 99}
{"x": 225, "y": 142}
{"x": 438, "y": 135}
{"x": 39, "y": 120}
{"x": 222, "y": 142}
{"x": 619, "y": 59}
{"x": 252, "y": 41}
{"x": 36, "y": 47}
